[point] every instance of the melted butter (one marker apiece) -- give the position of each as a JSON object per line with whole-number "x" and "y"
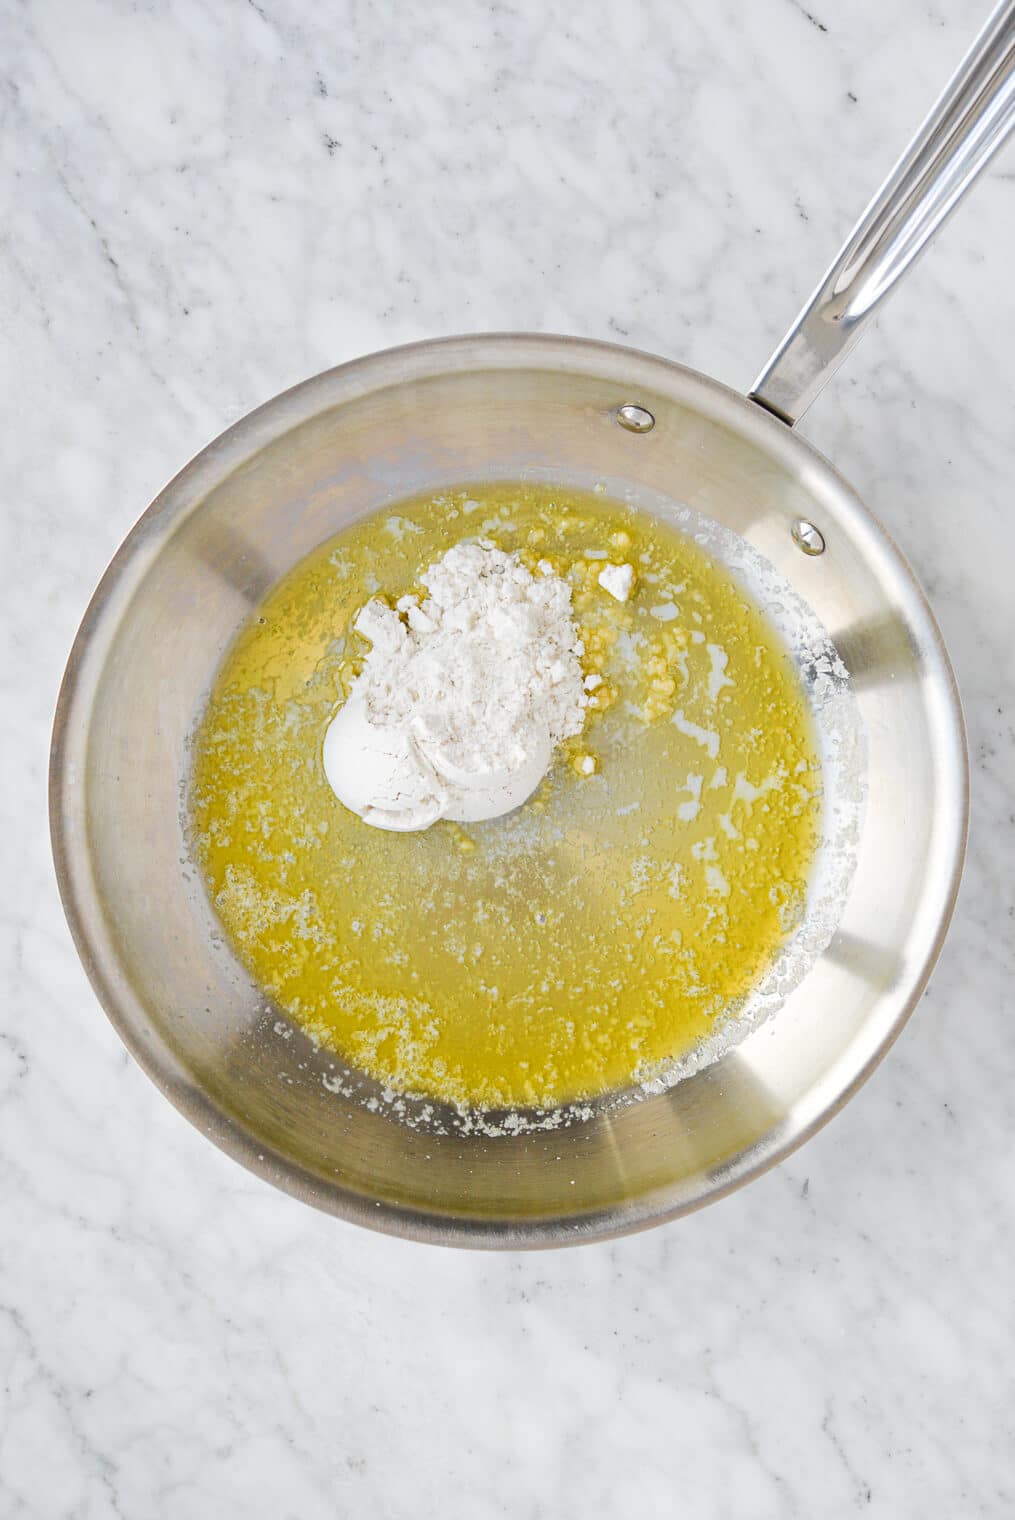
{"x": 582, "y": 943}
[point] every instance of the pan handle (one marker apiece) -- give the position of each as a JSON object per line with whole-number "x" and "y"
{"x": 967, "y": 126}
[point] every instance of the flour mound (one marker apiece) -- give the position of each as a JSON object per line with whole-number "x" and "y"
{"x": 463, "y": 696}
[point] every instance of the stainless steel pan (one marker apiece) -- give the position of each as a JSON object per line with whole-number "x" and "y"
{"x": 353, "y": 439}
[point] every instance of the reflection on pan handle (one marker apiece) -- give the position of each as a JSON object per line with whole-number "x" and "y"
{"x": 967, "y": 126}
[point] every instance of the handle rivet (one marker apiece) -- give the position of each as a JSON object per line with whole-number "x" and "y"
{"x": 635, "y": 418}
{"x": 807, "y": 537}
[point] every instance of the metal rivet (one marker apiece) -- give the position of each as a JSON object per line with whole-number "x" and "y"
{"x": 635, "y": 418}
{"x": 807, "y": 537}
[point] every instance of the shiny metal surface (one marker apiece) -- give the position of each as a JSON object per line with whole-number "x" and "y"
{"x": 970, "y": 122}
{"x": 635, "y": 418}
{"x": 239, "y": 516}
{"x": 807, "y": 537}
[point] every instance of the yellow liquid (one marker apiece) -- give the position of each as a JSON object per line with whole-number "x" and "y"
{"x": 582, "y": 943}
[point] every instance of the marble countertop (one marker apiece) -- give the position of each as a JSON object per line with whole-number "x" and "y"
{"x": 204, "y": 204}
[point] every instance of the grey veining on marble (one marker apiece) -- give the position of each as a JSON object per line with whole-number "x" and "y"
{"x": 202, "y": 204}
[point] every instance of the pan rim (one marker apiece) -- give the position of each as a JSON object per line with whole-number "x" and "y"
{"x": 183, "y": 494}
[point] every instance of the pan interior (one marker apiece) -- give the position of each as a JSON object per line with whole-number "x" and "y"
{"x": 622, "y": 929}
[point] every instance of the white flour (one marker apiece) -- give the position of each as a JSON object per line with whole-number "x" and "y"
{"x": 463, "y": 695}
